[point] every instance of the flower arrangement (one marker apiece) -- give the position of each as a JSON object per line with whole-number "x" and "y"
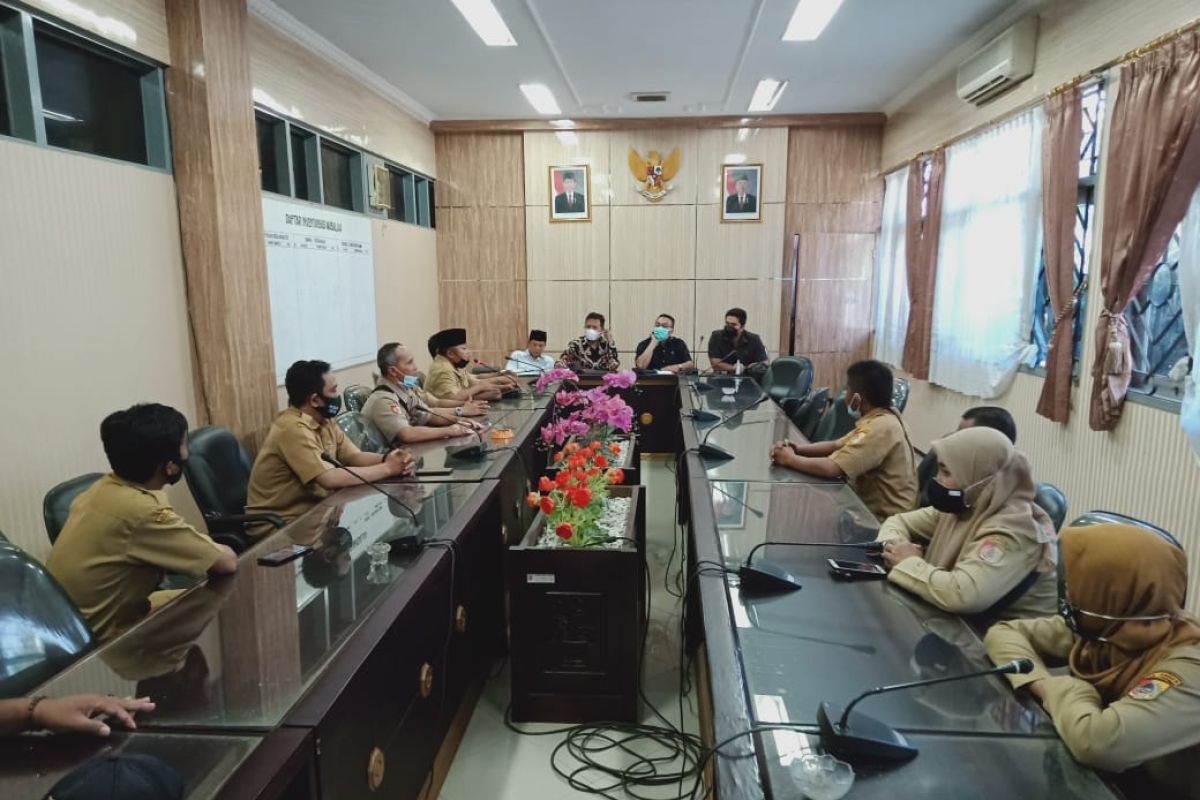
{"x": 594, "y": 413}
{"x": 574, "y": 501}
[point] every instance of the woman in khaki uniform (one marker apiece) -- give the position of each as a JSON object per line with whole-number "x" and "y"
{"x": 983, "y": 546}
{"x": 1132, "y": 696}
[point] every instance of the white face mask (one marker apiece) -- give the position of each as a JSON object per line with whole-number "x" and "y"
{"x": 591, "y": 334}
{"x": 855, "y": 411}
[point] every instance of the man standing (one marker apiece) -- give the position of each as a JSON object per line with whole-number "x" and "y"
{"x": 396, "y": 408}
{"x": 290, "y": 476}
{"x": 741, "y": 201}
{"x": 662, "y": 350}
{"x": 733, "y": 345}
{"x": 595, "y": 350}
{"x": 122, "y": 536}
{"x": 570, "y": 201}
{"x": 450, "y": 377}
{"x": 532, "y": 360}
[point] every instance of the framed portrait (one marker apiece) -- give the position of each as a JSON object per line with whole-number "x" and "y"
{"x": 571, "y": 193}
{"x": 740, "y": 184}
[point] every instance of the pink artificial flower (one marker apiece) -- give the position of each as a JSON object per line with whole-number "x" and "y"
{"x": 619, "y": 380}
{"x": 554, "y": 376}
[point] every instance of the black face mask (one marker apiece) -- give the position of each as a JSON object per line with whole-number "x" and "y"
{"x": 951, "y": 501}
{"x": 174, "y": 479}
{"x": 460, "y": 364}
{"x": 731, "y": 331}
{"x": 331, "y": 408}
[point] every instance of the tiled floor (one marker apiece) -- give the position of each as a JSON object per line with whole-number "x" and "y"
{"x": 493, "y": 763}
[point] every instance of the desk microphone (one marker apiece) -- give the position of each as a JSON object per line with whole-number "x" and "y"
{"x": 538, "y": 367}
{"x": 486, "y": 367}
{"x": 712, "y": 451}
{"x": 465, "y": 452}
{"x": 864, "y": 738}
{"x": 767, "y": 577}
{"x": 328, "y": 459}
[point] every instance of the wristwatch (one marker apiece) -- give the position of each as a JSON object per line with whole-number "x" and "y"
{"x": 458, "y": 411}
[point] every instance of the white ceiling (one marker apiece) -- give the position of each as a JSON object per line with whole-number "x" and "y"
{"x": 709, "y": 54}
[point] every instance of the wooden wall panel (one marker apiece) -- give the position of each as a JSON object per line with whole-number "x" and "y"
{"x": 558, "y": 307}
{"x": 760, "y": 298}
{"x": 653, "y": 242}
{"x": 741, "y": 250}
{"x": 834, "y": 166}
{"x": 477, "y": 170}
{"x": 566, "y": 250}
{"x": 481, "y": 243}
{"x": 635, "y": 304}
{"x": 138, "y": 25}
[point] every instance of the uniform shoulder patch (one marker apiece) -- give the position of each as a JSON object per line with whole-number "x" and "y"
{"x": 163, "y": 515}
{"x": 395, "y": 408}
{"x": 857, "y": 437}
{"x": 990, "y": 552}
{"x": 1153, "y": 685}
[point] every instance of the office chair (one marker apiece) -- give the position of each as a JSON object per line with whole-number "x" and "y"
{"x": 1112, "y": 517}
{"x": 362, "y": 432}
{"x": 835, "y": 422}
{"x": 789, "y": 376}
{"x": 218, "y": 475}
{"x": 41, "y": 632}
{"x": 1051, "y": 500}
{"x": 900, "y": 388}
{"x": 355, "y": 397}
{"x": 56, "y": 505}
{"x": 926, "y": 472}
{"x": 808, "y": 414}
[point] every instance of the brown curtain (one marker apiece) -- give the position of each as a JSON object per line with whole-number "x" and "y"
{"x": 1152, "y": 171}
{"x": 921, "y": 250}
{"x": 1060, "y": 187}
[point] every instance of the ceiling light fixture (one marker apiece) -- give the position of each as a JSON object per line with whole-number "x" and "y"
{"x": 541, "y": 98}
{"x": 564, "y": 124}
{"x": 810, "y": 19}
{"x": 767, "y": 94}
{"x": 483, "y": 17}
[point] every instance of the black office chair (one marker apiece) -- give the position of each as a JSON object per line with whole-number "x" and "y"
{"x": 355, "y": 397}
{"x": 900, "y": 389}
{"x": 41, "y": 632}
{"x": 1112, "y": 517}
{"x": 362, "y": 432}
{"x": 218, "y": 474}
{"x": 1052, "y": 501}
{"x": 926, "y": 472}
{"x": 808, "y": 414}
{"x": 789, "y": 376}
{"x": 835, "y": 422}
{"x": 56, "y": 505}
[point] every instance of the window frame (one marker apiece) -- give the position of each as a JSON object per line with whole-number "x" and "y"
{"x": 282, "y": 147}
{"x": 1151, "y": 397}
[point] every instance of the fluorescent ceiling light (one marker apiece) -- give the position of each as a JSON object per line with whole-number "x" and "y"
{"x": 809, "y": 19}
{"x": 483, "y": 17}
{"x": 767, "y": 94}
{"x": 541, "y": 98}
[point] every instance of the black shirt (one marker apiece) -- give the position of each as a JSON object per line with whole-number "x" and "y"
{"x": 748, "y": 350}
{"x": 669, "y": 352}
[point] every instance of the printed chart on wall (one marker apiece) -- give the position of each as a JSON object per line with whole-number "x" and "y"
{"x": 322, "y": 284}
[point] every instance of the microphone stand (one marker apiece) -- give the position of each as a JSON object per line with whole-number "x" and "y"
{"x": 328, "y": 459}
{"x": 767, "y": 577}
{"x": 712, "y": 451}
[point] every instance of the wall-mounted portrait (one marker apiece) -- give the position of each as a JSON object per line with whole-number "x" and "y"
{"x": 742, "y": 197}
{"x": 571, "y": 193}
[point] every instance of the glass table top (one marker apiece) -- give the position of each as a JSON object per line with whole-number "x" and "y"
{"x": 435, "y": 455}
{"x": 749, "y": 439}
{"x": 834, "y": 639}
{"x": 239, "y": 652}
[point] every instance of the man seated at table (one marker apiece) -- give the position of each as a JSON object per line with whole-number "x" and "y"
{"x": 733, "y": 345}
{"x": 396, "y": 408}
{"x": 450, "y": 377}
{"x": 533, "y": 359}
{"x": 663, "y": 350}
{"x": 876, "y": 458}
{"x": 993, "y": 417}
{"x": 290, "y": 476}
{"x": 595, "y": 350}
{"x": 122, "y": 536}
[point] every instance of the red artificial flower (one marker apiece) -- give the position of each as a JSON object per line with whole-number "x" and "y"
{"x": 570, "y": 448}
{"x": 581, "y": 497}
{"x": 564, "y": 530}
{"x": 562, "y": 477}
{"x": 532, "y": 499}
{"x": 547, "y": 505}
{"x": 601, "y": 462}
{"x": 614, "y": 448}
{"x": 558, "y": 456}
{"x": 545, "y": 484}
{"x": 575, "y": 462}
{"x": 593, "y": 472}
{"x": 594, "y": 445}
{"x": 616, "y": 476}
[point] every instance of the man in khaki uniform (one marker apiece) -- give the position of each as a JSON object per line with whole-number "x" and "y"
{"x": 450, "y": 377}
{"x": 122, "y": 536}
{"x": 396, "y": 408}
{"x": 1132, "y": 695}
{"x": 876, "y": 458}
{"x": 289, "y": 475}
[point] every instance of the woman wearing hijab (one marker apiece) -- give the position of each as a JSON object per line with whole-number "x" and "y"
{"x": 983, "y": 546}
{"x": 1133, "y": 693}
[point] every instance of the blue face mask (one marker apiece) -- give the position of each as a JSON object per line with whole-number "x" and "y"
{"x": 411, "y": 380}
{"x": 661, "y": 333}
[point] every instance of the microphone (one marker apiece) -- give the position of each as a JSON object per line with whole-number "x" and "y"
{"x": 712, "y": 451}
{"x": 767, "y": 577}
{"x": 487, "y": 367}
{"x": 328, "y": 459}
{"x": 538, "y": 367}
{"x": 465, "y": 452}
{"x": 867, "y": 739}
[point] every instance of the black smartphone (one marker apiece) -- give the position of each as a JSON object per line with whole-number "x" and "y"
{"x": 284, "y": 554}
{"x": 435, "y": 473}
{"x": 856, "y": 570}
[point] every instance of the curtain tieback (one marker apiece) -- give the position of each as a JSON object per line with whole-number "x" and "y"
{"x": 1070, "y": 305}
{"x": 1115, "y": 354}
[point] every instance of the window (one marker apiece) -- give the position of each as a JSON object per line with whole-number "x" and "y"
{"x": 6, "y": 18}
{"x": 337, "y": 176}
{"x": 432, "y": 205}
{"x": 272, "y": 154}
{"x": 423, "y": 202}
{"x": 92, "y": 100}
{"x": 1044, "y": 312}
{"x": 304, "y": 173}
{"x": 404, "y": 203}
{"x": 1156, "y": 331}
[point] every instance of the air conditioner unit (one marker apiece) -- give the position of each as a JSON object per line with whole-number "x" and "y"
{"x": 1001, "y": 64}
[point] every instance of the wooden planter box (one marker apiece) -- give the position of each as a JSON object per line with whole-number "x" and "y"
{"x": 632, "y": 470}
{"x": 575, "y": 627}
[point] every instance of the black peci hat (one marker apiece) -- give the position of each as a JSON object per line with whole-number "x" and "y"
{"x": 119, "y": 776}
{"x": 537, "y": 336}
{"x": 442, "y": 341}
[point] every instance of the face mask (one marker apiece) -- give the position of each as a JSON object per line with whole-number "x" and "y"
{"x": 174, "y": 479}
{"x": 661, "y": 333}
{"x": 855, "y": 411}
{"x": 730, "y": 330}
{"x": 331, "y": 407}
{"x": 411, "y": 380}
{"x": 951, "y": 501}
{"x": 591, "y": 334}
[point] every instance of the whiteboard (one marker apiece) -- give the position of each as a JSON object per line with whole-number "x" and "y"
{"x": 321, "y": 279}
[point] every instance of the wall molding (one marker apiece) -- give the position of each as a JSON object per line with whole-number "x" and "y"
{"x": 305, "y": 36}
{"x": 855, "y": 120}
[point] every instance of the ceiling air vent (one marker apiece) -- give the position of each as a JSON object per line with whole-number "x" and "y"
{"x": 650, "y": 97}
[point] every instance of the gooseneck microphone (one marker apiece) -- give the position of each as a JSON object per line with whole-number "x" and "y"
{"x": 328, "y": 459}
{"x": 767, "y": 577}
{"x": 712, "y": 451}
{"x": 864, "y": 738}
{"x": 465, "y": 452}
{"x": 487, "y": 367}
